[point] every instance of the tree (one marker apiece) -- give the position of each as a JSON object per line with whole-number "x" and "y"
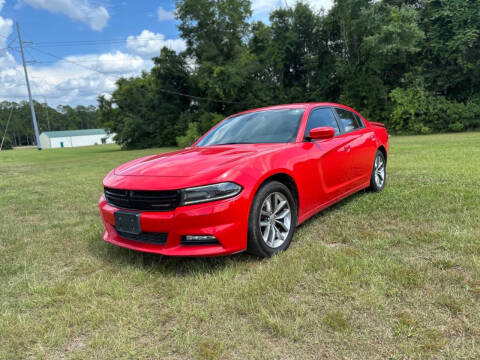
{"x": 412, "y": 64}
{"x": 144, "y": 111}
{"x": 213, "y": 29}
{"x": 451, "y": 59}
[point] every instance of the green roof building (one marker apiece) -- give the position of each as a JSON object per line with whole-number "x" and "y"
{"x": 74, "y": 138}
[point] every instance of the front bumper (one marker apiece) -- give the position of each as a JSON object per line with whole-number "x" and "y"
{"x": 227, "y": 220}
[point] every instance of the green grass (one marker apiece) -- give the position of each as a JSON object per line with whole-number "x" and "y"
{"x": 392, "y": 275}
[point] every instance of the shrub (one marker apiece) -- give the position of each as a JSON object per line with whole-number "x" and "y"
{"x": 418, "y": 111}
{"x": 190, "y": 136}
{"x": 7, "y": 143}
{"x": 196, "y": 129}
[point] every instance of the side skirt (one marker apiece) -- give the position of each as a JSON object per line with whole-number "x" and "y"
{"x": 323, "y": 206}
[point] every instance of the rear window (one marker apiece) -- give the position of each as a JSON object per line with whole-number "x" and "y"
{"x": 349, "y": 120}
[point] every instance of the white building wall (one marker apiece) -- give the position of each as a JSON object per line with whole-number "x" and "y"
{"x": 56, "y": 142}
{"x": 86, "y": 140}
{"x": 44, "y": 141}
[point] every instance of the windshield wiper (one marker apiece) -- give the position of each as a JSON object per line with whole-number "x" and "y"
{"x": 233, "y": 143}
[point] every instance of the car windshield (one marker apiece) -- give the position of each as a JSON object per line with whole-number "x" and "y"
{"x": 269, "y": 126}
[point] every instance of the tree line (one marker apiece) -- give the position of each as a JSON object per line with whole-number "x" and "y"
{"x": 411, "y": 64}
{"x": 64, "y": 117}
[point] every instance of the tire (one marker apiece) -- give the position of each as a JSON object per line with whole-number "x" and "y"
{"x": 379, "y": 173}
{"x": 278, "y": 219}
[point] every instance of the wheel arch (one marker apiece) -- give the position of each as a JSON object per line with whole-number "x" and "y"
{"x": 384, "y": 152}
{"x": 287, "y": 180}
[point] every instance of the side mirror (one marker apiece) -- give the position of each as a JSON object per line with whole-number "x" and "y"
{"x": 321, "y": 133}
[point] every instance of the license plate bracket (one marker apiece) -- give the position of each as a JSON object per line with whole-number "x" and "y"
{"x": 128, "y": 222}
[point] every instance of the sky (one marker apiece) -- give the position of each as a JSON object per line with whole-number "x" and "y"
{"x": 77, "y": 49}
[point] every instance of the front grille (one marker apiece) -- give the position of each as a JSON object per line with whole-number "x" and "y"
{"x": 143, "y": 200}
{"x": 145, "y": 237}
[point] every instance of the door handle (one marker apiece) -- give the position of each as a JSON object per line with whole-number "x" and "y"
{"x": 347, "y": 148}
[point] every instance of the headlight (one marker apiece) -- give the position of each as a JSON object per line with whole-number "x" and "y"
{"x": 201, "y": 194}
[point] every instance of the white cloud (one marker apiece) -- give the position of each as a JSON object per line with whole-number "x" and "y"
{"x": 5, "y": 30}
{"x": 2, "y": 2}
{"x": 65, "y": 82}
{"x": 81, "y": 10}
{"x": 6, "y": 27}
{"x": 79, "y": 79}
{"x": 148, "y": 44}
{"x": 264, "y": 7}
{"x": 163, "y": 14}
{"x": 112, "y": 63}
{"x": 320, "y": 4}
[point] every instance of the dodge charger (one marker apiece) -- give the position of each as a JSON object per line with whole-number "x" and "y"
{"x": 246, "y": 184}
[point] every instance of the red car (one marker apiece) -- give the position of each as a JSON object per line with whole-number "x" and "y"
{"x": 246, "y": 184}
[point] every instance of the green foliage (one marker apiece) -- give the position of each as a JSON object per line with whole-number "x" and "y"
{"x": 413, "y": 65}
{"x": 208, "y": 120}
{"x": 419, "y": 111}
{"x": 190, "y": 136}
{"x": 196, "y": 128}
{"x": 145, "y": 111}
{"x": 7, "y": 143}
{"x": 214, "y": 30}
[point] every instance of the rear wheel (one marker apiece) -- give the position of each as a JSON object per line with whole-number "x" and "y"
{"x": 379, "y": 173}
{"x": 272, "y": 220}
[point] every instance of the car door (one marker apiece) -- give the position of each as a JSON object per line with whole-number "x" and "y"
{"x": 361, "y": 145}
{"x": 328, "y": 158}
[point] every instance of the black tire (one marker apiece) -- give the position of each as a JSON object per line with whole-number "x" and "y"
{"x": 256, "y": 245}
{"x": 375, "y": 184}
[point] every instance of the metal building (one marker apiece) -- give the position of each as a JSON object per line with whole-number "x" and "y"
{"x": 74, "y": 138}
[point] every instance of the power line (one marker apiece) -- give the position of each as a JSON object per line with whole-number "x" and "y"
{"x": 97, "y": 42}
{"x": 11, "y": 42}
{"x": 70, "y": 61}
{"x": 33, "y": 57}
{"x": 81, "y": 61}
{"x": 118, "y": 77}
{"x": 13, "y": 97}
{"x": 35, "y": 46}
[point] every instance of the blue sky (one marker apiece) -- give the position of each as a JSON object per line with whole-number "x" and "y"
{"x": 80, "y": 47}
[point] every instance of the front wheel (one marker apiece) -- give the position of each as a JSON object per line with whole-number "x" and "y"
{"x": 272, "y": 220}
{"x": 379, "y": 173}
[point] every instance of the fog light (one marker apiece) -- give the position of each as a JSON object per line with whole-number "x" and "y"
{"x": 199, "y": 240}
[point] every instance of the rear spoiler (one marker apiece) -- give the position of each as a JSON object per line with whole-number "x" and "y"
{"x": 376, "y": 124}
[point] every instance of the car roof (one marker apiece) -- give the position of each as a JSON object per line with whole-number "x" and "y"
{"x": 294, "y": 106}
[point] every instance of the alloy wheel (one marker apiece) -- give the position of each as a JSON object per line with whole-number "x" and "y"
{"x": 275, "y": 219}
{"x": 379, "y": 169}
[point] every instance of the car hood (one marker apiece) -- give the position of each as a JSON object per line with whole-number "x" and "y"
{"x": 192, "y": 161}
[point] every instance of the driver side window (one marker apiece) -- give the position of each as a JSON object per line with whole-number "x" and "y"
{"x": 322, "y": 117}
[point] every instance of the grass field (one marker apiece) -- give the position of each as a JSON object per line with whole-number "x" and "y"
{"x": 392, "y": 275}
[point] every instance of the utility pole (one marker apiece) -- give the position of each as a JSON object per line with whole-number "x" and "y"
{"x": 34, "y": 118}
